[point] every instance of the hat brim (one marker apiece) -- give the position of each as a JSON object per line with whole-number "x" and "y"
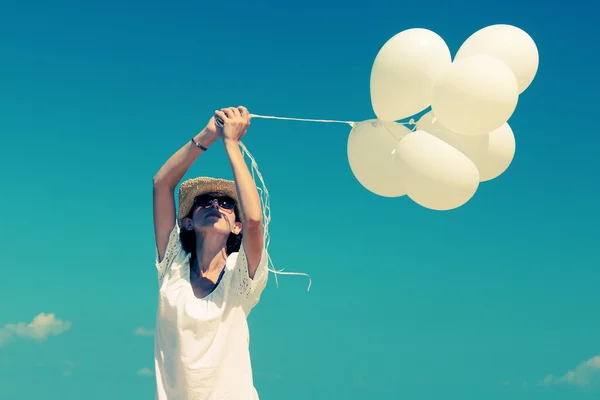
{"x": 192, "y": 188}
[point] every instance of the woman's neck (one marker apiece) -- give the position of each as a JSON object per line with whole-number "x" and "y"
{"x": 211, "y": 253}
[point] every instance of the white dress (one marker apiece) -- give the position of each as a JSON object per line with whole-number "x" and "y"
{"x": 201, "y": 349}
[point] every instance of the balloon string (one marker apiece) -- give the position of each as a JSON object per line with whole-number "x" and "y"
{"x": 266, "y": 213}
{"x": 392, "y": 134}
{"x": 351, "y": 123}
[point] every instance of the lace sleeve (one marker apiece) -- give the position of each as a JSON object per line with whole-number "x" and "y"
{"x": 246, "y": 289}
{"x": 174, "y": 248}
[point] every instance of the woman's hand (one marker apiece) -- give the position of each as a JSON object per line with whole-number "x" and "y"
{"x": 235, "y": 123}
{"x": 212, "y": 129}
{"x": 210, "y": 134}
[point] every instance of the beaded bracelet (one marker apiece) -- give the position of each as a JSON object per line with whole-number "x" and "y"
{"x": 198, "y": 145}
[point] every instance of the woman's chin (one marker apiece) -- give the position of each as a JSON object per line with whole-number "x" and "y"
{"x": 214, "y": 229}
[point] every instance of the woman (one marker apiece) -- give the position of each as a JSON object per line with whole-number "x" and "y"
{"x": 212, "y": 268}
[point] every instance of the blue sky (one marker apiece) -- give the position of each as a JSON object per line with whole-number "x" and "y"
{"x": 485, "y": 301}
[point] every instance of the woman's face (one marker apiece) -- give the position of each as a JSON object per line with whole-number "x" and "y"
{"x": 214, "y": 213}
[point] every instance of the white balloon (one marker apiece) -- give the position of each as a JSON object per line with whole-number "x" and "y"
{"x": 470, "y": 146}
{"x": 436, "y": 175}
{"x": 405, "y": 71}
{"x": 371, "y": 154}
{"x": 499, "y": 153}
{"x": 475, "y": 95}
{"x": 509, "y": 44}
{"x": 492, "y": 153}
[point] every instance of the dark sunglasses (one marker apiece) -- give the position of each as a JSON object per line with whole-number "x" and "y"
{"x": 224, "y": 202}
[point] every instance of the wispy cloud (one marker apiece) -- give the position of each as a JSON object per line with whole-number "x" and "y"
{"x": 145, "y": 372}
{"x": 585, "y": 375}
{"x": 5, "y": 336}
{"x": 70, "y": 364}
{"x": 40, "y": 328}
{"x": 143, "y": 332}
{"x": 68, "y": 367}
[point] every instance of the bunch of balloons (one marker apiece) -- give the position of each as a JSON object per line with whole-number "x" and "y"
{"x": 464, "y": 138}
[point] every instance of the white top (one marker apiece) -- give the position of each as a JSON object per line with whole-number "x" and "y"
{"x": 201, "y": 348}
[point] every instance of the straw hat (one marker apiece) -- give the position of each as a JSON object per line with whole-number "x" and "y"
{"x": 192, "y": 188}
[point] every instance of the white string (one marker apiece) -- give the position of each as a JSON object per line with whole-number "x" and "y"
{"x": 351, "y": 123}
{"x": 266, "y": 213}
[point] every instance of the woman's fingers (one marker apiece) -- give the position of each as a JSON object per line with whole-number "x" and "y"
{"x": 220, "y": 115}
{"x": 227, "y": 112}
{"x": 244, "y": 111}
{"x": 231, "y": 113}
{"x": 235, "y": 111}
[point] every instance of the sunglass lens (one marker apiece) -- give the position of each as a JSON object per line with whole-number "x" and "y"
{"x": 226, "y": 202}
{"x": 203, "y": 201}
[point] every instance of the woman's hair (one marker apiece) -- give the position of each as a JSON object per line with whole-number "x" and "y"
{"x": 188, "y": 238}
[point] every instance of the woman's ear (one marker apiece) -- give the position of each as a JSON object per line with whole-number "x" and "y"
{"x": 237, "y": 228}
{"x": 188, "y": 225}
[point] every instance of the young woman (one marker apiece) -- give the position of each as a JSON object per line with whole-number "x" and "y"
{"x": 212, "y": 268}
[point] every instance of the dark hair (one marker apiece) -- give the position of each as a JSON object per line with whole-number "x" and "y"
{"x": 188, "y": 238}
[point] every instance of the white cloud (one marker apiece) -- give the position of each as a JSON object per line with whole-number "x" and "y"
{"x": 5, "y": 336}
{"x": 585, "y": 375}
{"x": 145, "y": 372}
{"x": 68, "y": 367}
{"x": 70, "y": 364}
{"x": 143, "y": 332}
{"x": 40, "y": 328}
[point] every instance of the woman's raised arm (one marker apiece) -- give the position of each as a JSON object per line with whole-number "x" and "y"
{"x": 236, "y": 123}
{"x": 168, "y": 177}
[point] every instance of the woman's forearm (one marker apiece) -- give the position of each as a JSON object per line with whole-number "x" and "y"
{"x": 177, "y": 165}
{"x": 248, "y": 196}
